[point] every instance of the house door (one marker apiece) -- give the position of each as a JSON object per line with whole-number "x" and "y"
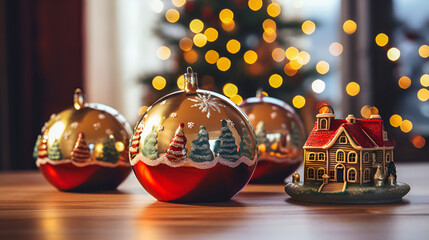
{"x": 340, "y": 173}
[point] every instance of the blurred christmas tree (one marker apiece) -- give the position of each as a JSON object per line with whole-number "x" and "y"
{"x": 235, "y": 47}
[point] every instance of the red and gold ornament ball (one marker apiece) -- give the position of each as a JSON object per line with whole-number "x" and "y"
{"x": 280, "y": 136}
{"x": 84, "y": 148}
{"x": 193, "y": 146}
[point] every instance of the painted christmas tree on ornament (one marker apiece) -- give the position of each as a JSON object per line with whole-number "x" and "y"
{"x": 212, "y": 166}
{"x": 83, "y": 148}
{"x": 347, "y": 161}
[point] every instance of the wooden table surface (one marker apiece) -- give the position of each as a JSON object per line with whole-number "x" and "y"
{"x": 30, "y": 208}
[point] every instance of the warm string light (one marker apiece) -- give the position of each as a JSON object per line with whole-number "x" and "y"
{"x": 318, "y": 86}
{"x": 404, "y": 82}
{"x": 366, "y": 111}
{"x": 223, "y": 64}
{"x": 159, "y": 82}
{"x": 250, "y": 57}
{"x": 237, "y": 99}
{"x": 230, "y": 90}
{"x": 200, "y": 40}
{"x": 212, "y": 56}
{"x": 274, "y": 10}
{"x": 393, "y": 54}
{"x": 275, "y": 80}
{"x": 190, "y": 56}
{"x": 298, "y": 101}
{"x": 226, "y": 16}
{"x": 172, "y": 15}
{"x": 424, "y": 51}
{"x": 381, "y": 39}
{"x": 181, "y": 82}
{"x": 322, "y": 67}
{"x": 178, "y": 3}
{"x": 424, "y": 80}
{"x": 336, "y": 49}
{"x": 349, "y": 27}
{"x": 211, "y": 34}
{"x": 255, "y": 5}
{"x": 233, "y": 46}
{"x": 163, "y": 53}
{"x": 196, "y": 26}
{"x": 308, "y": 27}
{"x": 352, "y": 88}
{"x": 418, "y": 141}
{"x": 185, "y": 44}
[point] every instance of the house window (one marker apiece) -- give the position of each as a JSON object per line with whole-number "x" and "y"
{"x": 323, "y": 123}
{"x": 332, "y": 174}
{"x": 320, "y": 173}
{"x": 340, "y": 156}
{"x": 343, "y": 140}
{"x": 351, "y": 175}
{"x": 352, "y": 156}
{"x": 366, "y": 157}
{"x": 320, "y": 157}
{"x": 388, "y": 157}
{"x": 310, "y": 173}
{"x": 311, "y": 156}
{"x": 366, "y": 175}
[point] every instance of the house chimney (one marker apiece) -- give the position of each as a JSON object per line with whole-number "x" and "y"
{"x": 376, "y": 116}
{"x": 351, "y": 118}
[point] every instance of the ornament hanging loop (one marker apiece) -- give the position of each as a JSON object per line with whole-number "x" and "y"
{"x": 191, "y": 81}
{"x": 79, "y": 99}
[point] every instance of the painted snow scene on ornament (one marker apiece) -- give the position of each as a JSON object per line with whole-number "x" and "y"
{"x": 348, "y": 161}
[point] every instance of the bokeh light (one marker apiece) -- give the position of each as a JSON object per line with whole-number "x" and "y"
{"x": 159, "y": 82}
{"x": 291, "y": 53}
{"x": 196, "y": 25}
{"x": 211, "y": 34}
{"x": 226, "y": 16}
{"x": 181, "y": 82}
{"x": 349, "y": 27}
{"x": 395, "y": 120}
{"x": 393, "y": 54}
{"x": 172, "y": 15}
{"x": 424, "y": 80}
{"x": 278, "y": 54}
{"x": 269, "y": 36}
{"x": 250, "y": 57}
{"x": 404, "y": 82}
{"x": 230, "y": 90}
{"x": 295, "y": 64}
{"x": 178, "y": 3}
{"x": 233, "y": 46}
{"x": 289, "y": 70}
{"x": 185, "y": 44}
{"x": 423, "y": 94}
{"x": 190, "y": 56}
{"x": 274, "y": 10}
{"x": 308, "y": 27}
{"x": 424, "y": 51}
{"x": 228, "y": 26}
{"x": 418, "y": 141}
{"x": 275, "y": 81}
{"x": 322, "y": 67}
{"x": 157, "y": 6}
{"x": 200, "y": 40}
{"x": 237, "y": 99}
{"x": 304, "y": 56}
{"x": 298, "y": 101}
{"x": 381, "y": 39}
{"x": 163, "y": 52}
{"x": 318, "y": 86}
{"x": 336, "y": 49}
{"x": 352, "y": 88}
{"x": 406, "y": 126}
{"x": 223, "y": 64}
{"x": 212, "y": 56}
{"x": 269, "y": 25}
{"x": 365, "y": 111}
{"x": 255, "y": 5}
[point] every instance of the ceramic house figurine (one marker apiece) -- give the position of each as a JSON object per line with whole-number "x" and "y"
{"x": 348, "y": 161}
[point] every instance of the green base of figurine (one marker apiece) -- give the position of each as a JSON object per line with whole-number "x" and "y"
{"x": 353, "y": 194}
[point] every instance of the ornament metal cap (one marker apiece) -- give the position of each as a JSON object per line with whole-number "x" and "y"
{"x": 79, "y": 99}
{"x": 191, "y": 81}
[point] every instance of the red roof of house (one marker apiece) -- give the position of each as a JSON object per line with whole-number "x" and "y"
{"x": 365, "y": 132}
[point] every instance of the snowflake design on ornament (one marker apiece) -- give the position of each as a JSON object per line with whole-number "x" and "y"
{"x": 67, "y": 135}
{"x": 74, "y": 125}
{"x": 191, "y": 125}
{"x": 205, "y": 103}
{"x": 273, "y": 115}
{"x": 96, "y": 125}
{"x": 274, "y": 107}
{"x": 160, "y": 128}
{"x": 109, "y": 131}
{"x": 230, "y": 123}
{"x": 173, "y": 115}
{"x": 101, "y": 116}
{"x": 252, "y": 117}
{"x": 163, "y": 102}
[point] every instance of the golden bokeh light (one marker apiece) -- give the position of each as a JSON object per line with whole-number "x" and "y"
{"x": 352, "y": 88}
{"x": 304, "y": 57}
{"x": 255, "y": 5}
{"x": 159, "y": 82}
{"x": 228, "y": 26}
{"x": 190, "y": 56}
{"x": 181, "y": 82}
{"x": 418, "y": 141}
{"x": 406, "y": 126}
{"x": 291, "y": 53}
{"x": 185, "y": 44}
{"x": 295, "y": 64}
{"x": 336, "y": 49}
{"x": 308, "y": 27}
{"x": 349, "y": 27}
{"x": 212, "y": 56}
{"x": 423, "y": 94}
{"x": 196, "y": 25}
{"x": 275, "y": 81}
{"x": 289, "y": 70}
{"x": 200, "y": 40}
{"x": 211, "y": 34}
{"x": 119, "y": 146}
{"x": 163, "y": 52}
{"x": 274, "y": 9}
{"x": 237, "y": 99}
{"x": 318, "y": 86}
{"x": 223, "y": 64}
{"x": 178, "y": 3}
{"x": 424, "y": 80}
{"x": 269, "y": 25}
{"x": 424, "y": 51}
{"x": 381, "y": 39}
{"x": 322, "y": 67}
{"x": 404, "y": 82}
{"x": 269, "y": 36}
{"x": 233, "y": 46}
{"x": 172, "y": 15}
{"x": 278, "y": 54}
{"x": 226, "y": 16}
{"x": 395, "y": 120}
{"x": 298, "y": 101}
{"x": 230, "y": 90}
{"x": 393, "y": 54}
{"x": 365, "y": 111}
{"x": 250, "y": 57}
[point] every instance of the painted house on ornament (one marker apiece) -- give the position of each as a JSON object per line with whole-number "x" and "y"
{"x": 347, "y": 150}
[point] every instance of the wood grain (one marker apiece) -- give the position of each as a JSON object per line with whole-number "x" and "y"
{"x": 31, "y": 209}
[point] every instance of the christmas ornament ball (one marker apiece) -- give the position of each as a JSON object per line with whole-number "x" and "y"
{"x": 193, "y": 146}
{"x": 279, "y": 134}
{"x": 83, "y": 148}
